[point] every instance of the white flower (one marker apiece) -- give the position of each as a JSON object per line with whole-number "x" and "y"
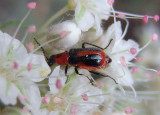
{"x": 89, "y": 13}
{"x": 19, "y": 70}
{"x": 69, "y": 34}
{"x": 119, "y": 52}
{"x": 14, "y": 111}
{"x": 70, "y": 94}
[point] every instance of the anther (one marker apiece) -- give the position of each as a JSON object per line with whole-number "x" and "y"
{"x": 134, "y": 70}
{"x": 138, "y": 59}
{"x": 133, "y": 51}
{"x": 145, "y": 19}
{"x": 63, "y": 34}
{"x": 46, "y": 99}
{"x": 29, "y": 66}
{"x": 15, "y": 65}
{"x": 85, "y": 97}
{"x": 58, "y": 84}
{"x": 154, "y": 37}
{"x": 156, "y": 18}
{"x": 123, "y": 61}
{"x": 31, "y": 5}
{"x": 32, "y": 29}
{"x": 110, "y": 2}
{"x": 128, "y": 110}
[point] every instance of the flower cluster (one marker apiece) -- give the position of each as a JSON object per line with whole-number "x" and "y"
{"x": 29, "y": 84}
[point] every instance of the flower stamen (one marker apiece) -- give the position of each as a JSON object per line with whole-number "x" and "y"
{"x": 15, "y": 65}
{"x": 46, "y": 99}
{"x": 85, "y": 97}
{"x": 29, "y": 66}
{"x": 123, "y": 61}
{"x": 128, "y": 110}
{"x": 58, "y": 84}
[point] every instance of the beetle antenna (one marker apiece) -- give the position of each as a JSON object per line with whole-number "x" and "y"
{"x": 41, "y": 48}
{"x": 108, "y": 44}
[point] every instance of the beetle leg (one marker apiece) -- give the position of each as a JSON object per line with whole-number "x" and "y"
{"x": 100, "y": 74}
{"x": 76, "y": 70}
{"x": 66, "y": 69}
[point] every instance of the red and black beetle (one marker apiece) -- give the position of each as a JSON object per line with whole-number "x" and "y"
{"x": 90, "y": 59}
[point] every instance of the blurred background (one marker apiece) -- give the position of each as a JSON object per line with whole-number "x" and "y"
{"x": 14, "y": 10}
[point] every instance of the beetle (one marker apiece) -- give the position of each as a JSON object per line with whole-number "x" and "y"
{"x": 91, "y": 59}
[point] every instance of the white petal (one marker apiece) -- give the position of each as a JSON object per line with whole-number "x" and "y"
{"x": 85, "y": 88}
{"x": 40, "y": 68}
{"x": 8, "y": 96}
{"x": 123, "y": 49}
{"x": 98, "y": 25}
{"x": 56, "y": 113}
{"x": 53, "y": 77}
{"x": 84, "y": 18}
{"x": 121, "y": 74}
{"x": 33, "y": 96}
{"x": 70, "y": 39}
{"x": 5, "y": 42}
{"x": 113, "y": 32}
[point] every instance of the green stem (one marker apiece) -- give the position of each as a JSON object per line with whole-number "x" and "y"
{"x": 54, "y": 17}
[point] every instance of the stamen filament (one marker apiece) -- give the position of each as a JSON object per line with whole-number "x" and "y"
{"x": 130, "y": 14}
{"x": 145, "y": 45}
{"x": 25, "y": 36}
{"x": 36, "y": 49}
{"x": 125, "y": 30}
{"x": 115, "y": 25}
{"x": 20, "y": 24}
{"x": 142, "y": 67}
{"x": 99, "y": 95}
